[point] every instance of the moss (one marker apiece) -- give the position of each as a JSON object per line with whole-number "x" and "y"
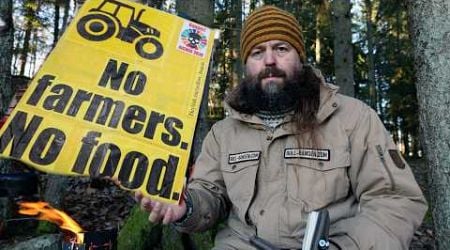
{"x": 174, "y": 240}
{"x": 204, "y": 240}
{"x": 138, "y": 233}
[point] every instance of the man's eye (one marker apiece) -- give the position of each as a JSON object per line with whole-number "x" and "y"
{"x": 282, "y": 49}
{"x": 256, "y": 54}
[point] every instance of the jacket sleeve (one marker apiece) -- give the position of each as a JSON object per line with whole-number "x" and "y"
{"x": 206, "y": 190}
{"x": 391, "y": 204}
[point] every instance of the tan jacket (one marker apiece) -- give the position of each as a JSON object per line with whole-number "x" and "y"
{"x": 267, "y": 184}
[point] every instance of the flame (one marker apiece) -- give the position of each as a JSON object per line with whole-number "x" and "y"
{"x": 43, "y": 211}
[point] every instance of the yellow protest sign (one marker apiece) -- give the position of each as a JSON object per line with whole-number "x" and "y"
{"x": 118, "y": 96}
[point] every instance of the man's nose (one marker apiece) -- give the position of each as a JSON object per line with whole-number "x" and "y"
{"x": 269, "y": 57}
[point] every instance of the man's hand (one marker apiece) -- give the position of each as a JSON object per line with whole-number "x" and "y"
{"x": 168, "y": 213}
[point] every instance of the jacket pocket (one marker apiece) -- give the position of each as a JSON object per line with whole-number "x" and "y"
{"x": 317, "y": 183}
{"x": 240, "y": 181}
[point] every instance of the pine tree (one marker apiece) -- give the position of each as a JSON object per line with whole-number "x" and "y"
{"x": 343, "y": 48}
{"x": 430, "y": 30}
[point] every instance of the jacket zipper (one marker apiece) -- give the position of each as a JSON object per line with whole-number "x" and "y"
{"x": 383, "y": 160}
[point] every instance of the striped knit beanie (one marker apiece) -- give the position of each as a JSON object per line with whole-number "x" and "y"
{"x": 271, "y": 23}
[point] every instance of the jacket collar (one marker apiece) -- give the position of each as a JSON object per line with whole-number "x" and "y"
{"x": 328, "y": 104}
{"x": 328, "y": 99}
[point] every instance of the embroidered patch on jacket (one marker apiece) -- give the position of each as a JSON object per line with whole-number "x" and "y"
{"x": 307, "y": 153}
{"x": 396, "y": 158}
{"x": 244, "y": 156}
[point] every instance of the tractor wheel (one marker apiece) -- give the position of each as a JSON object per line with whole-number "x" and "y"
{"x": 149, "y": 48}
{"x": 96, "y": 27}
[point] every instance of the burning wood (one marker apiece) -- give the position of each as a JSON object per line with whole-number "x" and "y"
{"x": 95, "y": 240}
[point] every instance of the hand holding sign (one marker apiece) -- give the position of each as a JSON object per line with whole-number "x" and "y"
{"x": 168, "y": 213}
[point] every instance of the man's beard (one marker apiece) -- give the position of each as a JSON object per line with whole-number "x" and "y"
{"x": 250, "y": 96}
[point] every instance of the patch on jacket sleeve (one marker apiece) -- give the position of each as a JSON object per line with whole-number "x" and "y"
{"x": 244, "y": 156}
{"x": 397, "y": 158}
{"x": 307, "y": 153}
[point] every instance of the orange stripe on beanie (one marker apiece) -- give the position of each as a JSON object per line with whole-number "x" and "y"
{"x": 271, "y": 23}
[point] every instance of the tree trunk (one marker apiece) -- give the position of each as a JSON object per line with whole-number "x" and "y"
{"x": 343, "y": 50}
{"x": 430, "y": 30}
{"x": 29, "y": 16}
{"x": 370, "y": 54}
{"x": 7, "y": 89}
{"x": 405, "y": 139}
{"x": 66, "y": 15}
{"x": 201, "y": 11}
{"x": 6, "y": 49}
{"x": 56, "y": 23}
{"x": 236, "y": 27}
{"x": 317, "y": 44}
{"x": 323, "y": 8}
{"x": 33, "y": 53}
{"x": 25, "y": 49}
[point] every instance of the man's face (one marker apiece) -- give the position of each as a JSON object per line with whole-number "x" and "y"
{"x": 272, "y": 62}
{"x": 271, "y": 83}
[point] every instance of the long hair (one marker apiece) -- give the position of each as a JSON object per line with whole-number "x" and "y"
{"x": 308, "y": 100}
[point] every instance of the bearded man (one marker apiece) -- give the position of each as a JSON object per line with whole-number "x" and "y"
{"x": 291, "y": 145}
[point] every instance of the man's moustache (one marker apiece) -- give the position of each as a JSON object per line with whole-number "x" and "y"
{"x": 271, "y": 72}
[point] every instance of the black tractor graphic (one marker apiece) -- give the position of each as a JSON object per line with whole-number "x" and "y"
{"x": 104, "y": 22}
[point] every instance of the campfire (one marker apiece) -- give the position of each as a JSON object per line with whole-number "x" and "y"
{"x": 74, "y": 236}
{"x": 43, "y": 211}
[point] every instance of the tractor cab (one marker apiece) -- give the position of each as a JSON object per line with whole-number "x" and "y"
{"x": 122, "y": 12}
{"x": 115, "y": 19}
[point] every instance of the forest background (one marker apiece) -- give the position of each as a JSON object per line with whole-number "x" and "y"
{"x": 366, "y": 47}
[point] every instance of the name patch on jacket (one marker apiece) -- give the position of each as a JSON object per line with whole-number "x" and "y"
{"x": 307, "y": 153}
{"x": 244, "y": 156}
